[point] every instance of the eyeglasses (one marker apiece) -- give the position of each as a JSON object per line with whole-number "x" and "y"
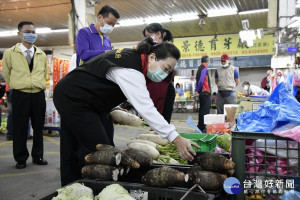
{"x": 27, "y": 31}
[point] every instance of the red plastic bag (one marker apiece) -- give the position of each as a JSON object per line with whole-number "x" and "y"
{"x": 219, "y": 128}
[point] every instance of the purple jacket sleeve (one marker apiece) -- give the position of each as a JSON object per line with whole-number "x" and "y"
{"x": 83, "y": 46}
{"x": 201, "y": 80}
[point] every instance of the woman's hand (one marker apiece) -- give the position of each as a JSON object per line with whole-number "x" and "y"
{"x": 184, "y": 147}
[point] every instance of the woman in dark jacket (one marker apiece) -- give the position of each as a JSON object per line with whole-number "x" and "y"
{"x": 89, "y": 92}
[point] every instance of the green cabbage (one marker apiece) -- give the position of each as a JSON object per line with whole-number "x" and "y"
{"x": 114, "y": 192}
{"x": 224, "y": 141}
{"x": 76, "y": 191}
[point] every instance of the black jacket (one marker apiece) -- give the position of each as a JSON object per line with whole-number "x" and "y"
{"x": 86, "y": 87}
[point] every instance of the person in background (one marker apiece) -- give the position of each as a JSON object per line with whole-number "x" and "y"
{"x": 92, "y": 41}
{"x": 162, "y": 93}
{"x": 253, "y": 90}
{"x": 214, "y": 97}
{"x": 9, "y": 125}
{"x": 265, "y": 82}
{"x": 2, "y": 92}
{"x": 178, "y": 89}
{"x": 203, "y": 88}
{"x": 280, "y": 77}
{"x": 227, "y": 79}
{"x": 25, "y": 70}
{"x": 105, "y": 82}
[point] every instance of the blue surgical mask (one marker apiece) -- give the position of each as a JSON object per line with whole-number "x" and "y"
{"x": 158, "y": 75}
{"x": 29, "y": 37}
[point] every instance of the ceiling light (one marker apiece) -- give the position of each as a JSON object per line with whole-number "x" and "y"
{"x": 158, "y": 19}
{"x": 221, "y": 12}
{"x": 8, "y": 33}
{"x": 253, "y": 11}
{"x": 43, "y": 30}
{"x": 60, "y": 30}
{"x": 130, "y": 22}
{"x": 184, "y": 17}
{"x": 202, "y": 21}
{"x": 245, "y": 24}
{"x": 38, "y": 30}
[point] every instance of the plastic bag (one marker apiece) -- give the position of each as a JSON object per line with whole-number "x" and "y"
{"x": 291, "y": 195}
{"x": 219, "y": 128}
{"x": 293, "y": 133}
{"x": 281, "y": 108}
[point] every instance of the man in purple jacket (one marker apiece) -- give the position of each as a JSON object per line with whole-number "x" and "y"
{"x": 92, "y": 41}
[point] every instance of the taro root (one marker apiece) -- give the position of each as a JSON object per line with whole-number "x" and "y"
{"x": 100, "y": 172}
{"x": 164, "y": 177}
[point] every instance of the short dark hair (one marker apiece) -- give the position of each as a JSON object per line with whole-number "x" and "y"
{"x": 156, "y": 27}
{"x": 21, "y": 24}
{"x": 246, "y": 83}
{"x": 105, "y": 10}
{"x": 204, "y": 59}
{"x": 162, "y": 50}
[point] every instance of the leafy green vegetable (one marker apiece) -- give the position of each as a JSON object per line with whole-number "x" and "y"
{"x": 171, "y": 151}
{"x": 224, "y": 141}
{"x": 3, "y": 124}
{"x": 114, "y": 192}
{"x": 76, "y": 191}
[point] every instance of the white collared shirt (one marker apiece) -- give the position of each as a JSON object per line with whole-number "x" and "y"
{"x": 23, "y": 49}
{"x": 135, "y": 90}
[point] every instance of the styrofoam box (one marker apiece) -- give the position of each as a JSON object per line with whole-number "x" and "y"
{"x": 214, "y": 118}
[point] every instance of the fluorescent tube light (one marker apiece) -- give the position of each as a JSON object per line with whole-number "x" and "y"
{"x": 184, "y": 17}
{"x": 43, "y": 30}
{"x": 158, "y": 19}
{"x": 221, "y": 12}
{"x": 253, "y": 11}
{"x": 8, "y": 33}
{"x": 130, "y": 22}
{"x": 38, "y": 31}
{"x": 60, "y": 30}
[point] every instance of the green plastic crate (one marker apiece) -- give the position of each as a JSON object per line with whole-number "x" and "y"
{"x": 207, "y": 142}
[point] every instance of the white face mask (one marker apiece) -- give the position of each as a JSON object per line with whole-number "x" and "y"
{"x": 106, "y": 29}
{"x": 153, "y": 38}
{"x": 225, "y": 65}
{"x": 245, "y": 88}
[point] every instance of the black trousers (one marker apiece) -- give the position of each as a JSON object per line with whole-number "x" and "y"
{"x": 81, "y": 130}
{"x": 205, "y": 104}
{"x": 25, "y": 106}
{"x": 169, "y": 103}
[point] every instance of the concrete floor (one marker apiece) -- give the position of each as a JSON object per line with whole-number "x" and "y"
{"x": 35, "y": 182}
